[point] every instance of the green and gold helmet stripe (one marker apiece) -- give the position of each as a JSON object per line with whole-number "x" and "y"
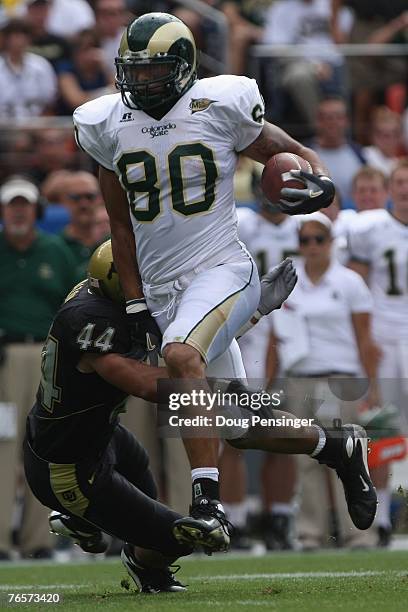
{"x": 165, "y": 37}
{"x": 146, "y": 26}
{"x": 155, "y": 36}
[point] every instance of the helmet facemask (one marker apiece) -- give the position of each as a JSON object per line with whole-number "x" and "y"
{"x": 156, "y": 63}
{"x": 150, "y": 92}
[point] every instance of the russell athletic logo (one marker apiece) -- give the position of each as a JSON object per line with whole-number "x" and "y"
{"x": 158, "y": 130}
{"x": 127, "y": 117}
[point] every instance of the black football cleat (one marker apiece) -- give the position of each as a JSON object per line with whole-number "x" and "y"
{"x": 384, "y": 536}
{"x": 207, "y": 526}
{"x": 348, "y": 456}
{"x": 148, "y": 579}
{"x": 277, "y": 531}
{"x": 89, "y": 538}
{"x": 240, "y": 540}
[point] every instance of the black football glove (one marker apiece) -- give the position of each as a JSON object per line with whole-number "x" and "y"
{"x": 318, "y": 193}
{"x": 144, "y": 330}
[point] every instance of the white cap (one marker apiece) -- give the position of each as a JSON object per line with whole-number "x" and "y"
{"x": 19, "y": 188}
{"x": 317, "y": 217}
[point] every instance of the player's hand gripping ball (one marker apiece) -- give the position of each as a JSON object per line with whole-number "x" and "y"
{"x": 288, "y": 181}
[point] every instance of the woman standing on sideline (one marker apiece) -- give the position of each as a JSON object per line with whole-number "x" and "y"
{"x": 324, "y": 343}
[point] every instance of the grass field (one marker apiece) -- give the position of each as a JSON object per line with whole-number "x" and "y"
{"x": 354, "y": 581}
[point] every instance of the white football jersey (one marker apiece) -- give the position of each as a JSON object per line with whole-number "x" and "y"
{"x": 268, "y": 244}
{"x": 178, "y": 171}
{"x": 344, "y": 222}
{"x": 378, "y": 239}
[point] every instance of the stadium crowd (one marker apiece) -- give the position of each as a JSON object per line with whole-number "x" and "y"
{"x": 58, "y": 54}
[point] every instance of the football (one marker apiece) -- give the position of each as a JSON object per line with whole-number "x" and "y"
{"x": 276, "y": 175}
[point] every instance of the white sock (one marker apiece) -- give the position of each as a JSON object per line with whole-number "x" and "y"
{"x": 236, "y": 513}
{"x": 321, "y": 442}
{"x": 383, "y": 518}
{"x": 281, "y": 508}
{"x": 205, "y": 472}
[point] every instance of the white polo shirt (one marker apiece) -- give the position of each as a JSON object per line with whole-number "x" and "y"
{"x": 68, "y": 17}
{"x": 325, "y": 310}
{"x": 28, "y": 91}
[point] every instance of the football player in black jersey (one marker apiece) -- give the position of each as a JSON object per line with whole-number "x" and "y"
{"x": 80, "y": 462}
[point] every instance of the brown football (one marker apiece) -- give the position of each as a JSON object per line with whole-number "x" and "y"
{"x": 276, "y": 175}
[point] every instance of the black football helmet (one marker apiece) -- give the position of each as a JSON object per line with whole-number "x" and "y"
{"x": 157, "y": 61}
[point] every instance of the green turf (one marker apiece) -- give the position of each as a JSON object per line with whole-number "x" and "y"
{"x": 225, "y": 582}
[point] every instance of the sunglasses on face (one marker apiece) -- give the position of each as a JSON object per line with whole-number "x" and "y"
{"x": 318, "y": 239}
{"x": 76, "y": 197}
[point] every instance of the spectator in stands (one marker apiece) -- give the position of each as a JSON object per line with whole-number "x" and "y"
{"x": 375, "y": 21}
{"x": 17, "y": 150}
{"x": 370, "y": 189}
{"x": 56, "y": 216}
{"x": 245, "y": 22}
{"x": 36, "y": 273}
{"x": 69, "y": 17}
{"x": 316, "y": 73}
{"x": 386, "y": 139}
{"x": 53, "y": 151}
{"x": 313, "y": 355}
{"x": 85, "y": 76}
{"x": 28, "y": 85}
{"x": 82, "y": 197}
{"x": 53, "y": 186}
{"x": 111, "y": 18}
{"x": 101, "y": 228}
{"x": 53, "y": 48}
{"x": 342, "y": 156}
{"x": 369, "y": 192}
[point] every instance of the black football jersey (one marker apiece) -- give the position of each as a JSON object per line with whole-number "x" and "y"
{"x": 75, "y": 413}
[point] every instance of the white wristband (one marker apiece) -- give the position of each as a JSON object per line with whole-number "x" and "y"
{"x": 249, "y": 324}
{"x": 135, "y": 306}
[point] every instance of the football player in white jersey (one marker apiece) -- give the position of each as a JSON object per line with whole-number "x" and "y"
{"x": 378, "y": 243}
{"x": 167, "y": 146}
{"x": 369, "y": 192}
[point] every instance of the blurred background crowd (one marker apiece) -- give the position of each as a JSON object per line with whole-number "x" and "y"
{"x": 334, "y": 74}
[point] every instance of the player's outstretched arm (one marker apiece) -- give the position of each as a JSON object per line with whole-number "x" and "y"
{"x": 273, "y": 140}
{"x": 319, "y": 189}
{"x": 129, "y": 375}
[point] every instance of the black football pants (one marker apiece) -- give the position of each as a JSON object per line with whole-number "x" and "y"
{"x": 117, "y": 493}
